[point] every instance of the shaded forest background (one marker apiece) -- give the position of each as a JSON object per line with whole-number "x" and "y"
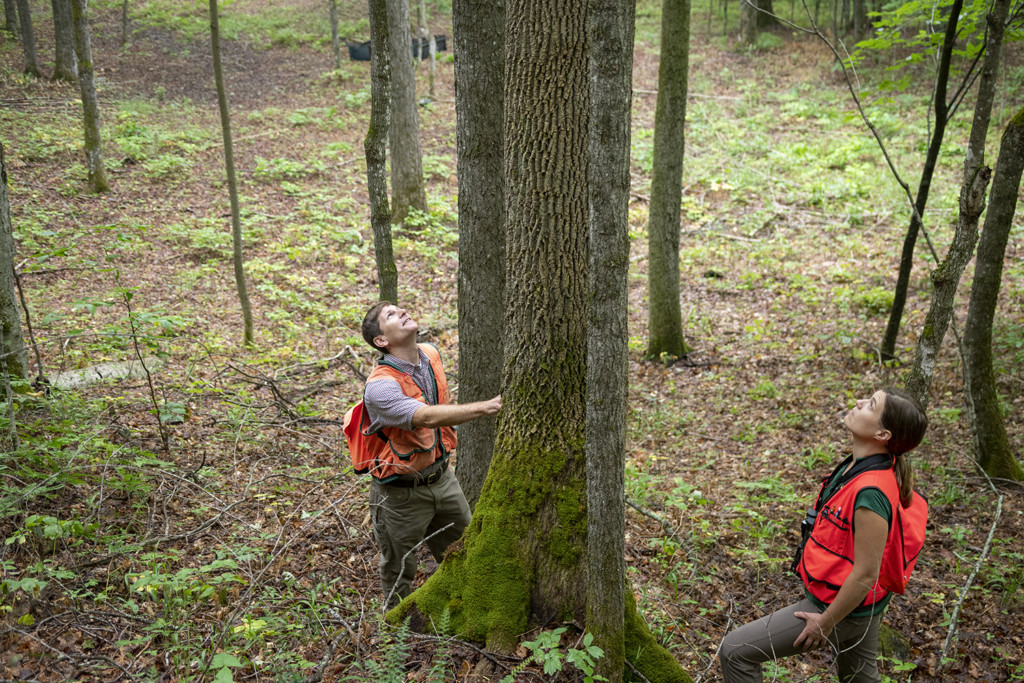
{"x": 247, "y": 547}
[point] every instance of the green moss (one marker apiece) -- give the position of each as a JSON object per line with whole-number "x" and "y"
{"x": 653, "y": 661}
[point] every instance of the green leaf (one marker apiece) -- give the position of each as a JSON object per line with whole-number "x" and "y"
{"x": 224, "y": 676}
{"x": 225, "y": 659}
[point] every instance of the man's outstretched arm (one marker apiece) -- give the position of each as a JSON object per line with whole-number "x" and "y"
{"x": 451, "y": 414}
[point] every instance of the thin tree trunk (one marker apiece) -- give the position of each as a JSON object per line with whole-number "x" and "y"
{"x": 610, "y": 33}
{"x": 65, "y": 67}
{"x": 28, "y": 40}
{"x": 408, "y": 190}
{"x": 124, "y": 23}
{"x": 97, "y": 175}
{"x": 991, "y": 445}
{"x": 888, "y": 349}
{"x": 479, "y": 37}
{"x": 427, "y": 41}
{"x": 13, "y": 345}
{"x": 972, "y": 201}
{"x": 374, "y": 146}
{"x": 229, "y": 165}
{"x": 860, "y": 19}
{"x": 332, "y": 6}
{"x": 11, "y": 18}
{"x": 664, "y": 317}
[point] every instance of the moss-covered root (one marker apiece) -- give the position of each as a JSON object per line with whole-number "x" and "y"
{"x": 644, "y": 653}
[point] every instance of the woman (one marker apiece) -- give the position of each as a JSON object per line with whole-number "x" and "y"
{"x": 847, "y": 586}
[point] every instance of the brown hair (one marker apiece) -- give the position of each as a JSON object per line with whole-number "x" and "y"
{"x": 906, "y": 420}
{"x": 371, "y": 327}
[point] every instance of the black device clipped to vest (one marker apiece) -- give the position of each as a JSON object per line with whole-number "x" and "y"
{"x": 806, "y": 524}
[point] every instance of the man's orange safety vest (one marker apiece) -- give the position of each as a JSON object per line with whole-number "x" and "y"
{"x": 393, "y": 451}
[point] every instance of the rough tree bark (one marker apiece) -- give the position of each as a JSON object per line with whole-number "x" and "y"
{"x": 991, "y": 445}
{"x": 408, "y": 190}
{"x": 332, "y": 11}
{"x": 97, "y": 174}
{"x": 374, "y": 146}
{"x": 229, "y": 165}
{"x": 479, "y": 36}
{"x": 664, "y": 318}
{"x": 610, "y": 38}
{"x": 13, "y": 345}
{"x": 523, "y": 562}
{"x": 860, "y": 20}
{"x": 888, "y": 349}
{"x": 28, "y": 40}
{"x": 65, "y": 67}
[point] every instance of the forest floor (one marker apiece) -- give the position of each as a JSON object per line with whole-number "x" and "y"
{"x": 244, "y": 550}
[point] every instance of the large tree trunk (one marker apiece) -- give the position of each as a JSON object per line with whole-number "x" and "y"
{"x": 12, "y": 345}
{"x": 610, "y": 34}
{"x": 523, "y": 561}
{"x": 374, "y": 146}
{"x": 28, "y": 40}
{"x": 910, "y": 240}
{"x": 408, "y": 190}
{"x": 754, "y": 16}
{"x": 992, "y": 447}
{"x": 65, "y": 66}
{"x": 664, "y": 318}
{"x": 229, "y": 165}
{"x": 479, "y": 28}
{"x": 11, "y": 18}
{"x": 97, "y": 174}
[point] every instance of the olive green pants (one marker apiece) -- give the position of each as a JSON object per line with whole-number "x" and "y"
{"x": 403, "y": 517}
{"x": 854, "y": 641}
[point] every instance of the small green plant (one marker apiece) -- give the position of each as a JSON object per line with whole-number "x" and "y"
{"x": 546, "y": 651}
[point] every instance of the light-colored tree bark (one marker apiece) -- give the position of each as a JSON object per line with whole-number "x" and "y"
{"x": 408, "y": 189}
{"x": 754, "y": 16}
{"x": 12, "y": 345}
{"x": 65, "y": 66}
{"x": 428, "y": 43}
{"x": 991, "y": 445}
{"x": 374, "y": 146}
{"x": 610, "y": 37}
{"x": 229, "y": 166}
{"x": 332, "y": 11}
{"x": 28, "y": 40}
{"x": 664, "y": 316}
{"x": 479, "y": 28}
{"x": 523, "y": 562}
{"x": 97, "y": 174}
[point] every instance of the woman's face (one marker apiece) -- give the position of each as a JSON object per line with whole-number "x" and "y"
{"x": 865, "y": 419}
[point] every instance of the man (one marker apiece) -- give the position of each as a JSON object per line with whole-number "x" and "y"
{"x": 413, "y": 493}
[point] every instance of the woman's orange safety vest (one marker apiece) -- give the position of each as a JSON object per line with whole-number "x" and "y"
{"x": 393, "y": 451}
{"x": 827, "y": 558}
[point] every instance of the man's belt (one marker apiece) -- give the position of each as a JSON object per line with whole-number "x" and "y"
{"x": 430, "y": 479}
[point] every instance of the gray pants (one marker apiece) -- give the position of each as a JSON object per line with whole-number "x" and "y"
{"x": 854, "y": 640}
{"x": 402, "y": 517}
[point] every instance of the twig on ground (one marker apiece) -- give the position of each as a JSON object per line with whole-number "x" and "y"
{"x": 974, "y": 571}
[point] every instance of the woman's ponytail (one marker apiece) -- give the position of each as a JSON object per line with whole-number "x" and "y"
{"x": 906, "y": 421}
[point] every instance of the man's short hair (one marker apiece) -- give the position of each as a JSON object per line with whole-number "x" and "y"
{"x": 371, "y": 326}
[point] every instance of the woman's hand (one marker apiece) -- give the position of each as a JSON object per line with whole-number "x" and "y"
{"x": 816, "y": 630}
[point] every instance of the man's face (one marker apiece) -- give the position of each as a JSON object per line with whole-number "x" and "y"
{"x": 395, "y": 327}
